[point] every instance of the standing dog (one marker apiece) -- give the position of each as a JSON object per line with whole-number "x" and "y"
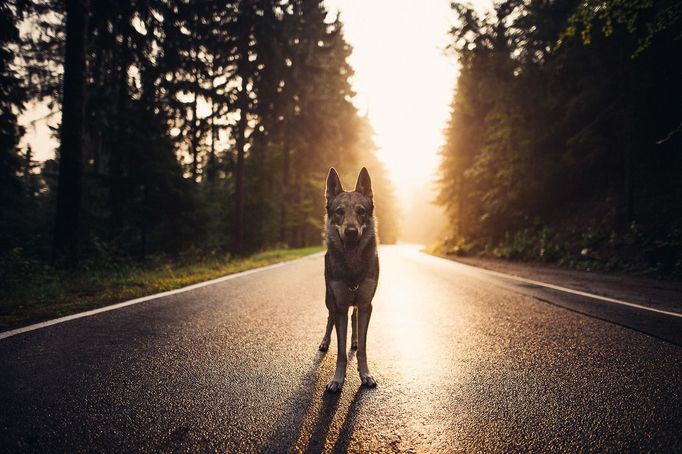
{"x": 351, "y": 270}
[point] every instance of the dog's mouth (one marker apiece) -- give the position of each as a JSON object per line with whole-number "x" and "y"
{"x": 348, "y": 243}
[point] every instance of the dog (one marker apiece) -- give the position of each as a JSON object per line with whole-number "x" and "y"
{"x": 351, "y": 271}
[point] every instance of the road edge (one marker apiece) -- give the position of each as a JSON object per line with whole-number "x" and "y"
{"x": 142, "y": 299}
{"x": 557, "y": 287}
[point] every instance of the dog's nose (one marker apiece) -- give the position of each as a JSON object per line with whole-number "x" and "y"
{"x": 352, "y": 232}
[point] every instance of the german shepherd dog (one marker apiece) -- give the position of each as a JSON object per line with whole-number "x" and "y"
{"x": 351, "y": 270}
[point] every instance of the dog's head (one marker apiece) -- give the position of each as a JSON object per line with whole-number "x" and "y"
{"x": 350, "y": 213}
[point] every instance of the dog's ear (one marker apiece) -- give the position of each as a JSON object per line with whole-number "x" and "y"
{"x": 364, "y": 184}
{"x": 334, "y": 187}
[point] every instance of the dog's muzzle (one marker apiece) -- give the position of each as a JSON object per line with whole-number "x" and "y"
{"x": 352, "y": 233}
{"x": 350, "y": 237}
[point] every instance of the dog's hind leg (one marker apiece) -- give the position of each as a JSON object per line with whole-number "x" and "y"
{"x": 324, "y": 345}
{"x": 354, "y": 329}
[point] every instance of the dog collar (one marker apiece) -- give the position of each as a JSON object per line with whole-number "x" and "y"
{"x": 354, "y": 288}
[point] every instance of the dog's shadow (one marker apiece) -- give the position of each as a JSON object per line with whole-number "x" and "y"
{"x": 298, "y": 426}
{"x": 346, "y": 432}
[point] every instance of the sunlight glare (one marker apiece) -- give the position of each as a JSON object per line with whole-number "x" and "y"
{"x": 403, "y": 79}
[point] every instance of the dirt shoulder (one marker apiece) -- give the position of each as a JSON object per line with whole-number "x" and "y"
{"x": 661, "y": 294}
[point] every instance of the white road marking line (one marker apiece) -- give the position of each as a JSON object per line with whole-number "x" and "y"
{"x": 561, "y": 289}
{"x": 112, "y": 307}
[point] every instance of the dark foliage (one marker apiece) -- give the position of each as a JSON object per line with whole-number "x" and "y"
{"x": 206, "y": 126}
{"x": 564, "y": 149}
{"x": 13, "y": 199}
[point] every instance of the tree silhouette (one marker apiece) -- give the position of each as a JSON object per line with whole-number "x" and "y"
{"x": 205, "y": 126}
{"x": 66, "y": 231}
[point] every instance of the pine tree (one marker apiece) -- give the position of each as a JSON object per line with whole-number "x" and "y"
{"x": 66, "y": 232}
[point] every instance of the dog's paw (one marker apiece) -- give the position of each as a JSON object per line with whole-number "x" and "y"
{"x": 324, "y": 346}
{"x": 368, "y": 381}
{"x": 334, "y": 386}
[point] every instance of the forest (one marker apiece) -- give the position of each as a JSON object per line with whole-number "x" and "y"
{"x": 565, "y": 138}
{"x": 206, "y": 128}
{"x": 187, "y": 127}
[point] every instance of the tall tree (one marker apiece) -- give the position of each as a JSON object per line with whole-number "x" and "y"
{"x": 12, "y": 97}
{"x": 66, "y": 231}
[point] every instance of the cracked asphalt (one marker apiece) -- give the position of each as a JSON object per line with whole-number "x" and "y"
{"x": 464, "y": 362}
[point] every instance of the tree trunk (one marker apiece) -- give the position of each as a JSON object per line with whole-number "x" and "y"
{"x": 285, "y": 188}
{"x": 66, "y": 229}
{"x": 625, "y": 208}
{"x": 211, "y": 164}
{"x": 28, "y": 166}
{"x": 297, "y": 239}
{"x": 194, "y": 142}
{"x": 243, "y": 71}
{"x": 116, "y": 163}
{"x": 143, "y": 226}
{"x": 461, "y": 223}
{"x": 239, "y": 184}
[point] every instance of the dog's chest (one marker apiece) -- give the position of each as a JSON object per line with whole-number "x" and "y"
{"x": 355, "y": 265}
{"x": 346, "y": 267}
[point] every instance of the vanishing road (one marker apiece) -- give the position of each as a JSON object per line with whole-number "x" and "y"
{"x": 465, "y": 360}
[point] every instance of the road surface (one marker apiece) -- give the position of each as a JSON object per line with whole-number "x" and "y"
{"x": 464, "y": 360}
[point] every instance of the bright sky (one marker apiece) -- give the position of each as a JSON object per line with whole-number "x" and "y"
{"x": 37, "y": 120}
{"x": 403, "y": 78}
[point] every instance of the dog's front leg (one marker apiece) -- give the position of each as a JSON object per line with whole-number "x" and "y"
{"x": 341, "y": 322}
{"x": 364, "y": 314}
{"x": 324, "y": 345}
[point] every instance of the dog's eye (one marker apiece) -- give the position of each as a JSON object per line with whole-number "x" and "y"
{"x": 339, "y": 211}
{"x": 361, "y": 211}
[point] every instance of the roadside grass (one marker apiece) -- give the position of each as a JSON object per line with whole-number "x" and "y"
{"x": 31, "y": 292}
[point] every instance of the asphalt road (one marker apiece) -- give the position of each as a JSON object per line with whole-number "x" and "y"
{"x": 464, "y": 360}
